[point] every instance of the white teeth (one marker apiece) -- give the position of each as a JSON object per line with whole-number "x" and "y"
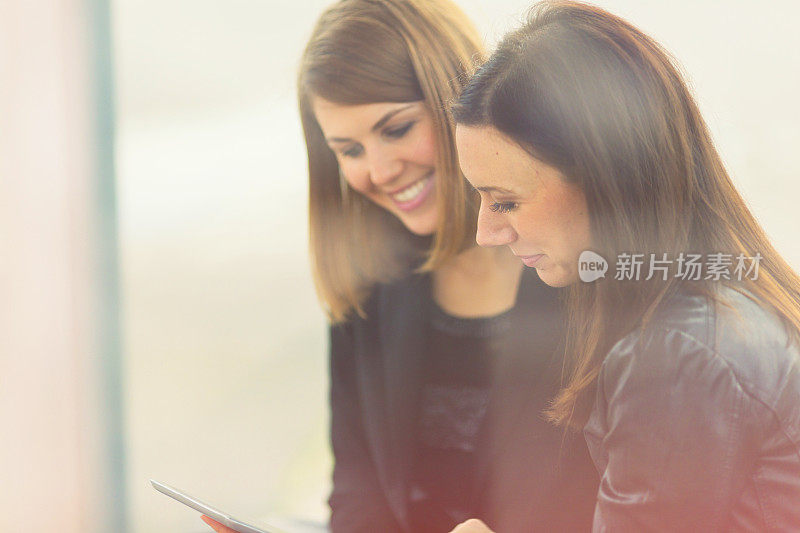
{"x": 409, "y": 193}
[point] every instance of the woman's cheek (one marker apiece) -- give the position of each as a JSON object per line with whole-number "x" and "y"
{"x": 425, "y": 146}
{"x": 356, "y": 178}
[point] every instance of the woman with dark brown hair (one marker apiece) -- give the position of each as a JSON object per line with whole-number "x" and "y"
{"x": 443, "y": 354}
{"x": 596, "y": 168}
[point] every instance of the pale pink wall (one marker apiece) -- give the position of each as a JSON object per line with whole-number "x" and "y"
{"x": 50, "y": 466}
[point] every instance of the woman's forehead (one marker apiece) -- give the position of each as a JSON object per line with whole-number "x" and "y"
{"x": 490, "y": 160}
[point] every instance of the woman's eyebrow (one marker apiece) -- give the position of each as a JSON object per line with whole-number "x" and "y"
{"x": 378, "y": 125}
{"x": 495, "y": 189}
{"x": 385, "y": 118}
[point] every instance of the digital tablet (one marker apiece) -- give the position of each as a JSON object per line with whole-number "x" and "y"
{"x": 223, "y": 518}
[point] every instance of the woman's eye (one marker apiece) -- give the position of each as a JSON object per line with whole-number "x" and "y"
{"x": 398, "y": 132}
{"x": 502, "y": 207}
{"x": 353, "y": 151}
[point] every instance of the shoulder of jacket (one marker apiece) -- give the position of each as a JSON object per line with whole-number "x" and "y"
{"x": 732, "y": 333}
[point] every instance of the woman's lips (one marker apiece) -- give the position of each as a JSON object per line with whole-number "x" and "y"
{"x": 414, "y": 195}
{"x": 531, "y": 260}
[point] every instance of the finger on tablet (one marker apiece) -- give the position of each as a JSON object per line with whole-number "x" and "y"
{"x": 216, "y": 526}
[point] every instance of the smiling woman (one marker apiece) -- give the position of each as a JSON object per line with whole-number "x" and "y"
{"x": 428, "y": 388}
{"x": 364, "y": 62}
{"x": 387, "y": 153}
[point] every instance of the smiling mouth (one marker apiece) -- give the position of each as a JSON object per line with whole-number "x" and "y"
{"x": 412, "y": 191}
{"x": 415, "y": 194}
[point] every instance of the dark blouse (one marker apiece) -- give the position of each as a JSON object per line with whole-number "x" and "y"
{"x": 401, "y": 377}
{"x": 456, "y": 370}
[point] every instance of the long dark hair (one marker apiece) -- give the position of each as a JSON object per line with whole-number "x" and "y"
{"x": 588, "y": 93}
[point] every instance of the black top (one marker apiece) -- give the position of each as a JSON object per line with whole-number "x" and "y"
{"x": 457, "y": 371}
{"x": 527, "y": 476}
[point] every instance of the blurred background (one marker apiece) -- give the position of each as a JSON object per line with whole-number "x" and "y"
{"x": 158, "y": 318}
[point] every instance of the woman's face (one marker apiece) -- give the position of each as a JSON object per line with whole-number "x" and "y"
{"x": 387, "y": 152}
{"x": 525, "y": 204}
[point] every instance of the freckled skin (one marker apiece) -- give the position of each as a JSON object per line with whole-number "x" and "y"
{"x": 544, "y": 213}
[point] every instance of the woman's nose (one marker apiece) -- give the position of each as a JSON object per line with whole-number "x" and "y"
{"x": 384, "y": 167}
{"x": 493, "y": 229}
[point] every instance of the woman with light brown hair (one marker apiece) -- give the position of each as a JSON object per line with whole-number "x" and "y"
{"x": 595, "y": 166}
{"x": 435, "y": 403}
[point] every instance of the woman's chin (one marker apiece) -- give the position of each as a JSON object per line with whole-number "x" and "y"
{"x": 421, "y": 230}
{"x": 555, "y": 276}
{"x": 422, "y": 224}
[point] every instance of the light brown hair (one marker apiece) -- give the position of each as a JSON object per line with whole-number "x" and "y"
{"x": 588, "y": 93}
{"x": 368, "y": 51}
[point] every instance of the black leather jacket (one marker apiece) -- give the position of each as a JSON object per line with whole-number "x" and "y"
{"x": 696, "y": 425}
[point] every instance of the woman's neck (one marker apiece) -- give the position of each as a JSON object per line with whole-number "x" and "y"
{"x": 478, "y": 282}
